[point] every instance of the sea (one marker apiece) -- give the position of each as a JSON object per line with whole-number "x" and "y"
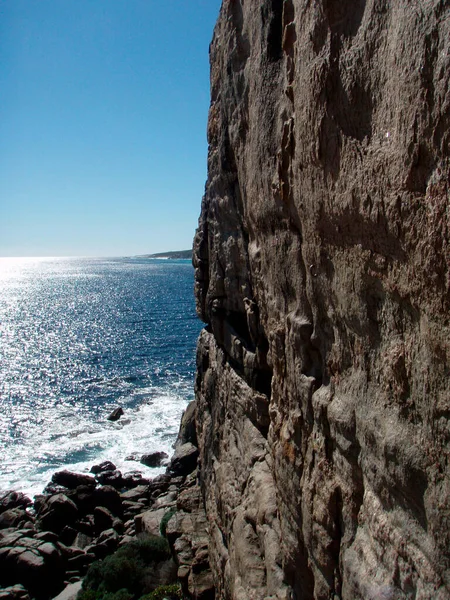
{"x": 78, "y": 338}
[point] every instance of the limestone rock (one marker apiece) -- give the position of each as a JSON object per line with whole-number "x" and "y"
{"x": 322, "y": 268}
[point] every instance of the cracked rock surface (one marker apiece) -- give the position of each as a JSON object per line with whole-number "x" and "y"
{"x": 322, "y": 264}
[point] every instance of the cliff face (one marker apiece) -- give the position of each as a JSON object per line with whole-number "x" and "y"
{"x": 323, "y": 272}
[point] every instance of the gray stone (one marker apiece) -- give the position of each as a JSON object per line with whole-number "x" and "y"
{"x": 14, "y": 517}
{"x": 154, "y": 459}
{"x": 70, "y": 592}
{"x": 184, "y": 461}
{"x": 187, "y": 431}
{"x": 11, "y": 499}
{"x": 322, "y": 270}
{"x": 57, "y": 512}
{"x": 72, "y": 480}
{"x": 116, "y": 414}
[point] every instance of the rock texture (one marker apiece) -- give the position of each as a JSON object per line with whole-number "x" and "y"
{"x": 322, "y": 264}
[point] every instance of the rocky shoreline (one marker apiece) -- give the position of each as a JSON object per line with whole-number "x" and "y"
{"x": 46, "y": 547}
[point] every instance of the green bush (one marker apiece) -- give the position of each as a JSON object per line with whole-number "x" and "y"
{"x": 166, "y": 518}
{"x": 172, "y": 592}
{"x": 96, "y": 595}
{"x": 121, "y": 576}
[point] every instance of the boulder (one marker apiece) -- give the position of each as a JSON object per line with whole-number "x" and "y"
{"x": 85, "y": 525}
{"x": 11, "y": 499}
{"x": 14, "y": 517}
{"x": 113, "y": 478}
{"x": 116, "y": 414}
{"x": 137, "y": 493}
{"x": 132, "y": 479}
{"x": 46, "y": 536}
{"x": 68, "y": 535}
{"x": 10, "y": 537}
{"x": 133, "y": 456}
{"x": 82, "y": 541}
{"x": 40, "y": 570}
{"x": 70, "y": 592}
{"x": 118, "y": 525}
{"x": 187, "y": 431}
{"x": 84, "y": 498}
{"x": 72, "y": 480}
{"x": 14, "y": 592}
{"x": 109, "y": 497}
{"x": 184, "y": 461}
{"x": 154, "y": 459}
{"x": 103, "y": 519}
{"x": 149, "y": 522}
{"x": 106, "y": 465}
{"x": 57, "y": 512}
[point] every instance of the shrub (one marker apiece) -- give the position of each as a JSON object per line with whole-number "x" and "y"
{"x": 124, "y": 572}
{"x": 92, "y": 595}
{"x": 166, "y": 518}
{"x": 172, "y": 592}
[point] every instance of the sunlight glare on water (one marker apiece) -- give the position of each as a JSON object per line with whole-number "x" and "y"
{"x": 79, "y": 337}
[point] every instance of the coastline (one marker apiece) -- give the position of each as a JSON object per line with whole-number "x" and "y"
{"x": 49, "y": 544}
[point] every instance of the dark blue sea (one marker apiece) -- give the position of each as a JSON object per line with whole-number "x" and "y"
{"x": 79, "y": 337}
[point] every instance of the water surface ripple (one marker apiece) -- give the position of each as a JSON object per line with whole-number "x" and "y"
{"x": 79, "y": 337}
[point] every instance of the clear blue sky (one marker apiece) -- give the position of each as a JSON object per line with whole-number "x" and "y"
{"x": 102, "y": 125}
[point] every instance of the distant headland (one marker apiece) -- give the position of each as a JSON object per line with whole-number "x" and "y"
{"x": 174, "y": 254}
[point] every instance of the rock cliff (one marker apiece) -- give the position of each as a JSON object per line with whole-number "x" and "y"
{"x": 322, "y": 263}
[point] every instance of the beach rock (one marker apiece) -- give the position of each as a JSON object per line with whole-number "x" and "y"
{"x": 154, "y": 459}
{"x": 82, "y": 541}
{"x": 70, "y": 592}
{"x": 130, "y": 509}
{"x": 184, "y": 461}
{"x": 85, "y": 525}
{"x": 14, "y": 517}
{"x": 68, "y": 534}
{"x": 14, "y": 592}
{"x": 149, "y": 521}
{"x": 111, "y": 478}
{"x": 116, "y": 414}
{"x": 71, "y": 480}
{"x": 103, "y": 519}
{"x": 47, "y": 536}
{"x": 84, "y": 498}
{"x": 10, "y": 537}
{"x": 102, "y": 467}
{"x": 11, "y": 499}
{"x": 138, "y": 493}
{"x": 57, "y": 512}
{"x": 132, "y": 479}
{"x": 187, "y": 431}
{"x": 106, "y": 544}
{"x": 109, "y": 497}
{"x": 39, "y": 569}
{"x": 118, "y": 525}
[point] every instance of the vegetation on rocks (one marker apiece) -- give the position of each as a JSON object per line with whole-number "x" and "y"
{"x": 123, "y": 575}
{"x": 166, "y": 518}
